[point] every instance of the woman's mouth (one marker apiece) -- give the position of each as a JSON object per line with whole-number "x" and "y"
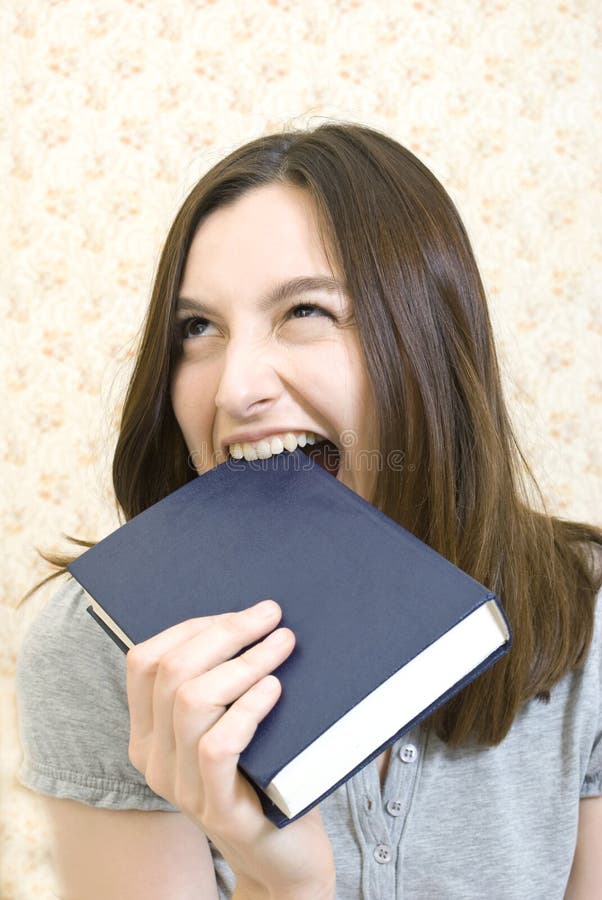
{"x": 318, "y": 448}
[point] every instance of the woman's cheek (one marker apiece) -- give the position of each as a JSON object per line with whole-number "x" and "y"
{"x": 194, "y": 409}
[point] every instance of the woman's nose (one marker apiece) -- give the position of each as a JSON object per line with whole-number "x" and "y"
{"x": 248, "y": 378}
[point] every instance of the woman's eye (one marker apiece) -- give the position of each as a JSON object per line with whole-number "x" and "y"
{"x": 192, "y": 327}
{"x": 196, "y": 326}
{"x": 308, "y": 306}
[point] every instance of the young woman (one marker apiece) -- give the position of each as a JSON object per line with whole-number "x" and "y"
{"x": 323, "y": 282}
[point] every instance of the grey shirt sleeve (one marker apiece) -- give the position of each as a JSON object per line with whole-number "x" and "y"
{"x": 72, "y": 710}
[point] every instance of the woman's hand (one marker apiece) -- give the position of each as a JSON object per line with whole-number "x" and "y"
{"x": 193, "y": 710}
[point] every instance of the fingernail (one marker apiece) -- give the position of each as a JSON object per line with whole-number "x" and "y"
{"x": 269, "y": 685}
{"x": 266, "y": 609}
{"x": 277, "y": 637}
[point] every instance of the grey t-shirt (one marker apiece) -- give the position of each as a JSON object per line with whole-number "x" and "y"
{"x": 462, "y": 824}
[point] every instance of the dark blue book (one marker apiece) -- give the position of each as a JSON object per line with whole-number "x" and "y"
{"x": 386, "y": 628}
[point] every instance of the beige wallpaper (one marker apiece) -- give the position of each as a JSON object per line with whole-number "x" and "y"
{"x": 112, "y": 109}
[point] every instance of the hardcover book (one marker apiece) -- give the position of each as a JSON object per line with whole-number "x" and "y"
{"x": 386, "y": 628}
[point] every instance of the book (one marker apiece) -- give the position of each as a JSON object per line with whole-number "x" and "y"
{"x": 386, "y": 628}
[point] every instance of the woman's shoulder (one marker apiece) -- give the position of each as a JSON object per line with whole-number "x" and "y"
{"x": 72, "y": 709}
{"x": 65, "y": 653}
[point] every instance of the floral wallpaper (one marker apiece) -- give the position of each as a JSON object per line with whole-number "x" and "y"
{"x": 109, "y": 113}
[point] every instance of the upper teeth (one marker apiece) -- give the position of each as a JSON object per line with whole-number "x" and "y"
{"x": 270, "y": 446}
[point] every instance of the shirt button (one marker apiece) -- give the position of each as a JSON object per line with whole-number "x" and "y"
{"x": 408, "y": 753}
{"x": 382, "y": 853}
{"x": 394, "y": 807}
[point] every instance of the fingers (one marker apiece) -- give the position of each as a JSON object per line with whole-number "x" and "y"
{"x": 187, "y": 649}
{"x": 180, "y": 684}
{"x": 209, "y": 694}
{"x": 218, "y": 640}
{"x": 199, "y": 703}
{"x": 215, "y": 757}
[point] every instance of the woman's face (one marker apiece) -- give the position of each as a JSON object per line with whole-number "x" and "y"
{"x": 252, "y": 369}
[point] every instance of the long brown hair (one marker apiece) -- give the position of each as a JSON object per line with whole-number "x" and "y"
{"x": 422, "y": 318}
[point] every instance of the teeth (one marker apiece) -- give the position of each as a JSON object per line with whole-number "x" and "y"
{"x": 272, "y": 446}
{"x": 264, "y": 451}
{"x": 290, "y": 441}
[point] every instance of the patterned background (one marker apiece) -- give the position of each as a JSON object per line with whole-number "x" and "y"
{"x": 112, "y": 109}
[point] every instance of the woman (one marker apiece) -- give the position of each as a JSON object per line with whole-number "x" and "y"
{"x": 323, "y": 282}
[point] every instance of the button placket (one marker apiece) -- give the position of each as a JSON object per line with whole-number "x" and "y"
{"x": 404, "y": 768}
{"x": 377, "y": 848}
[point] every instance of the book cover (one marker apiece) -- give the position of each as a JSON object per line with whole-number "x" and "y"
{"x": 365, "y": 598}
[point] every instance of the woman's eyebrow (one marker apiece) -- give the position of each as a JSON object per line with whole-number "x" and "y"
{"x": 282, "y": 291}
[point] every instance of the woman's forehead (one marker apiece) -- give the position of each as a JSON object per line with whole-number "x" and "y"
{"x": 269, "y": 234}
